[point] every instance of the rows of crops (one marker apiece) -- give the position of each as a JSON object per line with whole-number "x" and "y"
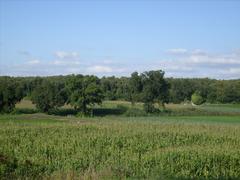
{"x": 113, "y": 147}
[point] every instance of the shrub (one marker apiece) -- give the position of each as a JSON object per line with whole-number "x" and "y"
{"x": 197, "y": 99}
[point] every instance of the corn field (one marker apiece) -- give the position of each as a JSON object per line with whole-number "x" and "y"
{"x": 116, "y": 148}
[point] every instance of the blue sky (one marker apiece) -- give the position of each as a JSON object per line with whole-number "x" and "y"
{"x": 184, "y": 38}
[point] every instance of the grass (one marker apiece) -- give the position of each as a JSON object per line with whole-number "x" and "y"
{"x": 109, "y": 146}
{"x": 26, "y": 104}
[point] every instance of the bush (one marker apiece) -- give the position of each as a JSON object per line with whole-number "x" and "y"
{"x": 149, "y": 108}
{"x": 24, "y": 111}
{"x": 197, "y": 99}
{"x": 122, "y": 109}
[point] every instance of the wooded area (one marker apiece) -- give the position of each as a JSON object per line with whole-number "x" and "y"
{"x": 82, "y": 92}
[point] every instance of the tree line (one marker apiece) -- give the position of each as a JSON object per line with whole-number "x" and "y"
{"x": 83, "y": 92}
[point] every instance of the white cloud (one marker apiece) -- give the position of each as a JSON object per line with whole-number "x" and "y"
{"x": 64, "y": 58}
{"x": 108, "y": 62}
{"x": 66, "y": 55}
{"x": 177, "y": 51}
{"x": 234, "y": 70}
{"x": 183, "y": 52}
{"x": 65, "y": 63}
{"x": 34, "y": 61}
{"x": 99, "y": 69}
{"x": 198, "y": 63}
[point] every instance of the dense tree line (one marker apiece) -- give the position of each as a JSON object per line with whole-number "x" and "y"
{"x": 11, "y": 92}
{"x": 82, "y": 92}
{"x": 180, "y": 89}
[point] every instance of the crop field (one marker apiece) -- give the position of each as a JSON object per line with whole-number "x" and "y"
{"x": 119, "y": 90}
{"x": 205, "y": 146}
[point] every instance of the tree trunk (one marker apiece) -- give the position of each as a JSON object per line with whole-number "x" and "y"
{"x": 163, "y": 106}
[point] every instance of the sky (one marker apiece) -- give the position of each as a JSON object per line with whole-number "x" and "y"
{"x": 57, "y": 37}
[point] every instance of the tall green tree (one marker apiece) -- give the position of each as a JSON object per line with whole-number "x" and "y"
{"x": 135, "y": 87}
{"x": 109, "y": 86}
{"x": 84, "y": 92}
{"x": 49, "y": 95}
{"x": 155, "y": 89}
{"x": 11, "y": 92}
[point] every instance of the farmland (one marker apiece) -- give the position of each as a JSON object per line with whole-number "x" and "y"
{"x": 119, "y": 90}
{"x": 167, "y": 146}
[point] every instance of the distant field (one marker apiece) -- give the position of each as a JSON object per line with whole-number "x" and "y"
{"x": 64, "y": 146}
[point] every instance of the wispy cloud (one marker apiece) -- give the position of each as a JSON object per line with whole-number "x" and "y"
{"x": 177, "y": 51}
{"x": 199, "y": 63}
{"x": 34, "y": 61}
{"x": 185, "y": 63}
{"x": 65, "y": 63}
{"x": 66, "y": 55}
{"x": 99, "y": 69}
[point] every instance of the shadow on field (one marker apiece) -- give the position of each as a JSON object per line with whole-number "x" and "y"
{"x": 109, "y": 111}
{"x": 69, "y": 111}
{"x": 95, "y": 111}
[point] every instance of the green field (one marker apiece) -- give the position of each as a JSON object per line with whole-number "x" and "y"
{"x": 110, "y": 146}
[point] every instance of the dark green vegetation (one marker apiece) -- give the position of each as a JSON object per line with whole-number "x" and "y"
{"x": 48, "y": 95}
{"x": 83, "y": 92}
{"x": 11, "y": 92}
{"x": 188, "y": 147}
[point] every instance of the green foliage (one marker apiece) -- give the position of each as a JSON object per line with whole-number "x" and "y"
{"x": 24, "y": 111}
{"x": 135, "y": 87}
{"x": 226, "y": 92}
{"x": 155, "y": 89}
{"x": 197, "y": 99}
{"x": 84, "y": 92}
{"x": 181, "y": 89}
{"x": 48, "y": 96}
{"x": 149, "y": 87}
{"x": 47, "y": 147}
{"x": 11, "y": 92}
{"x": 135, "y": 112}
{"x": 109, "y": 87}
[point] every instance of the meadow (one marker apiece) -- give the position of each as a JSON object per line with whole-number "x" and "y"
{"x": 182, "y": 143}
